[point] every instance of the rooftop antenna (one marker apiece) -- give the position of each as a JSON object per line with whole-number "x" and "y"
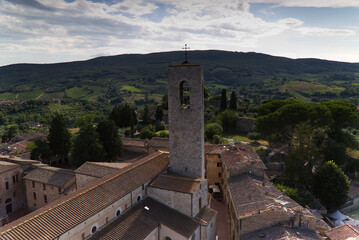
{"x": 185, "y": 48}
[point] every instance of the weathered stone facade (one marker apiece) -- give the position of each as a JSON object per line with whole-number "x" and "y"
{"x": 186, "y": 120}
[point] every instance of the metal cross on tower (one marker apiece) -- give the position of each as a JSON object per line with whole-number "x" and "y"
{"x": 185, "y": 48}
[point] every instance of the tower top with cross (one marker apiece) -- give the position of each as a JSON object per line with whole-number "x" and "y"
{"x": 185, "y": 48}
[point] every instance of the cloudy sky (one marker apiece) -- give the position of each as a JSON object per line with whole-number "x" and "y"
{"x": 47, "y": 31}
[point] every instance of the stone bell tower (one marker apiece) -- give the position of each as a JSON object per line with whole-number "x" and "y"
{"x": 186, "y": 119}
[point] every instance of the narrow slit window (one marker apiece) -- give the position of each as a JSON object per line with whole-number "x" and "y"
{"x": 184, "y": 94}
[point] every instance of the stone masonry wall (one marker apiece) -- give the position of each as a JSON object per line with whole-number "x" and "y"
{"x": 186, "y": 125}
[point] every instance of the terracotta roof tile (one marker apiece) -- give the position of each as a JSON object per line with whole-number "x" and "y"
{"x": 50, "y": 175}
{"x": 239, "y": 155}
{"x": 279, "y": 231}
{"x": 99, "y": 169}
{"x": 138, "y": 222}
{"x": 176, "y": 183}
{"x": 205, "y": 216}
{"x": 342, "y": 232}
{"x": 251, "y": 194}
{"x": 65, "y": 213}
{"x": 7, "y": 166}
{"x": 159, "y": 142}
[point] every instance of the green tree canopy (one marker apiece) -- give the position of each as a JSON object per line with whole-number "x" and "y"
{"x": 165, "y": 101}
{"x": 227, "y": 119}
{"x": 9, "y": 133}
{"x": 159, "y": 113}
{"x": 331, "y": 185}
{"x": 59, "y": 137}
{"x": 211, "y": 129}
{"x": 110, "y": 139}
{"x": 87, "y": 147}
{"x": 233, "y": 102}
{"x": 41, "y": 151}
{"x": 123, "y": 116}
{"x": 223, "y": 104}
{"x": 146, "y": 116}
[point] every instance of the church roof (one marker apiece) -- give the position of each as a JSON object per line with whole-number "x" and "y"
{"x": 99, "y": 169}
{"x": 139, "y": 221}
{"x": 61, "y": 215}
{"x": 176, "y": 183}
{"x": 57, "y": 177}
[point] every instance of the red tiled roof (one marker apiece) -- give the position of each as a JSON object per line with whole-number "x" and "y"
{"x": 99, "y": 169}
{"x": 61, "y": 215}
{"x": 50, "y": 175}
{"x": 176, "y": 183}
{"x": 239, "y": 155}
{"x": 251, "y": 194}
{"x": 138, "y": 222}
{"x": 280, "y": 232}
{"x": 342, "y": 232}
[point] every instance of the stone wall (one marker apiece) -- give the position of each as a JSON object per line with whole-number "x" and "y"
{"x": 15, "y": 195}
{"x": 186, "y": 122}
{"x": 103, "y": 217}
{"x": 180, "y": 201}
{"x": 214, "y": 169}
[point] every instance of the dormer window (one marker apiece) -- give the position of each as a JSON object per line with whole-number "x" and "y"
{"x": 184, "y": 94}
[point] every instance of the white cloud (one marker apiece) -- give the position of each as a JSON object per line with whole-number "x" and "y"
{"x": 311, "y": 3}
{"x": 325, "y": 32}
{"x": 84, "y": 28}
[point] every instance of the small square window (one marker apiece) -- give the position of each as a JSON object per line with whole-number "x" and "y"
{"x": 219, "y": 164}
{"x": 59, "y": 190}
{"x": 43, "y": 186}
{"x": 7, "y": 186}
{"x": 34, "y": 194}
{"x": 45, "y": 198}
{"x": 219, "y": 174}
{"x": 33, "y": 184}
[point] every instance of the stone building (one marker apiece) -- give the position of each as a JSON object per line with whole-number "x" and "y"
{"x": 90, "y": 171}
{"x": 186, "y": 119}
{"x": 46, "y": 184}
{"x": 12, "y": 190}
{"x": 161, "y": 196}
{"x": 157, "y": 144}
{"x": 135, "y": 145}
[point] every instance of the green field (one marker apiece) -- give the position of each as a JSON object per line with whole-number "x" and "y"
{"x": 30, "y": 95}
{"x": 76, "y": 92}
{"x": 8, "y": 96}
{"x": 131, "y": 89}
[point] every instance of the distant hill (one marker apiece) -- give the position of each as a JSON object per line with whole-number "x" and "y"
{"x": 145, "y": 75}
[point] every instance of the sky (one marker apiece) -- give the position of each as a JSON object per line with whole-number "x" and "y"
{"x": 48, "y": 31}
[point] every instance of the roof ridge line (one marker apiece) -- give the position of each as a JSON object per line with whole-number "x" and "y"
{"x": 107, "y": 180}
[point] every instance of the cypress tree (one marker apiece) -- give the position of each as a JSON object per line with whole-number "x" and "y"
{"x": 223, "y": 105}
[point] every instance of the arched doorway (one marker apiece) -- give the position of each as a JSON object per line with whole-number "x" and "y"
{"x": 8, "y": 206}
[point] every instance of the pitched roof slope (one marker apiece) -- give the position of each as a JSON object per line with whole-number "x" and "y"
{"x": 7, "y": 166}
{"x": 251, "y": 194}
{"x": 57, "y": 177}
{"x": 176, "y": 183}
{"x": 60, "y": 216}
{"x": 138, "y": 222}
{"x": 99, "y": 169}
{"x": 342, "y": 232}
